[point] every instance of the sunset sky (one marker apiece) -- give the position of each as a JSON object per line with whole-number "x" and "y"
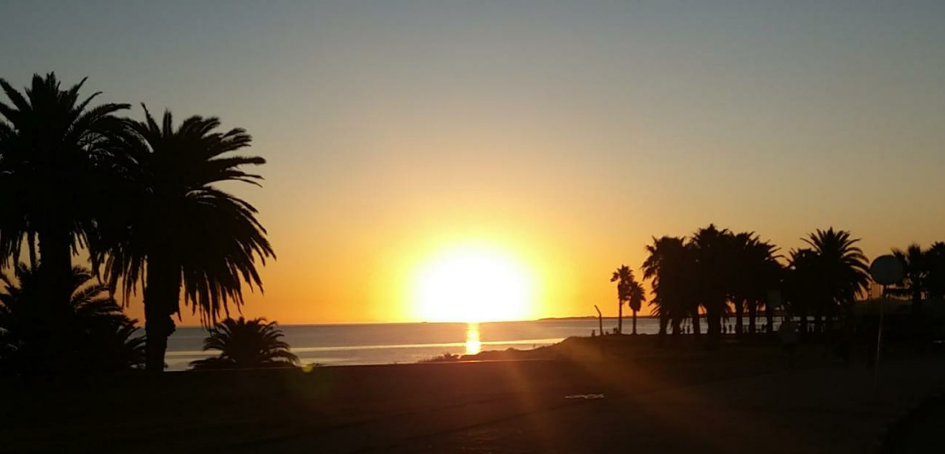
{"x": 552, "y": 138}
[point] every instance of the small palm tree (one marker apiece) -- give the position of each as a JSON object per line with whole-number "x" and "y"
{"x": 88, "y": 332}
{"x": 629, "y": 291}
{"x": 622, "y": 277}
{"x": 245, "y": 344}
{"x": 635, "y": 299}
{"x": 174, "y": 231}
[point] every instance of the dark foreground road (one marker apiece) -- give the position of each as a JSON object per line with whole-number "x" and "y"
{"x": 474, "y": 408}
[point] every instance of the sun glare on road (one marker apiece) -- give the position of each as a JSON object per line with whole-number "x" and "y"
{"x": 473, "y": 284}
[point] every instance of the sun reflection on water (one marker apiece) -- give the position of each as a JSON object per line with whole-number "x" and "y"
{"x": 473, "y": 345}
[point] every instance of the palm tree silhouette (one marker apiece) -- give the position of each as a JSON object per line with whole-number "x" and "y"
{"x": 636, "y": 298}
{"x": 87, "y": 333}
{"x": 842, "y": 269}
{"x": 767, "y": 277}
{"x": 916, "y": 266}
{"x": 246, "y": 345}
{"x": 713, "y": 275}
{"x": 740, "y": 282}
{"x": 755, "y": 271}
{"x": 803, "y": 284}
{"x": 52, "y": 146}
{"x": 623, "y": 277}
{"x": 669, "y": 266}
{"x": 175, "y": 231}
{"x": 629, "y": 291}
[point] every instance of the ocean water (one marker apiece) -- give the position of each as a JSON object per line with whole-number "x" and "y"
{"x": 389, "y": 343}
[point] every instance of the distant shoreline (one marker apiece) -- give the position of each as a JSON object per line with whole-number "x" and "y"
{"x": 591, "y": 317}
{"x": 626, "y": 318}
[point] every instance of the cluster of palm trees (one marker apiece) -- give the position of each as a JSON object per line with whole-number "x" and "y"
{"x": 716, "y": 274}
{"x": 629, "y": 291}
{"x": 140, "y": 199}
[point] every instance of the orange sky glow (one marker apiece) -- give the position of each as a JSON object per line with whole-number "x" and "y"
{"x": 551, "y": 140}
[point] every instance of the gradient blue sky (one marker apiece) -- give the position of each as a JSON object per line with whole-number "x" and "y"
{"x": 564, "y": 133}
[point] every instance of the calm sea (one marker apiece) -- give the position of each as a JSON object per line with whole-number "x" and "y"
{"x": 388, "y": 343}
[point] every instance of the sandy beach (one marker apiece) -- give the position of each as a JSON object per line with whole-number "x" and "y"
{"x": 649, "y": 405}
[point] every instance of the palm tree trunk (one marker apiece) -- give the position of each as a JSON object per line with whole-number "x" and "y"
{"x": 916, "y": 300}
{"x": 714, "y": 324}
{"x": 714, "y": 318}
{"x": 664, "y": 322}
{"x": 830, "y": 315}
{"x": 161, "y": 301}
{"x": 739, "y": 307}
{"x": 620, "y": 317}
{"x": 752, "y": 315}
{"x": 769, "y": 319}
{"x": 634, "y": 322}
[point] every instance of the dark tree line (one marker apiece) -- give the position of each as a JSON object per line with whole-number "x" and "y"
{"x": 715, "y": 274}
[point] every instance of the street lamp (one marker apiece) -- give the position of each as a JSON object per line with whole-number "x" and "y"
{"x": 886, "y": 270}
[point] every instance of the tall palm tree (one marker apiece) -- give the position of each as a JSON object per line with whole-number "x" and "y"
{"x": 803, "y": 284}
{"x": 769, "y": 283}
{"x": 668, "y": 266}
{"x": 916, "y": 267}
{"x": 739, "y": 249}
{"x": 635, "y": 299}
{"x": 88, "y": 332}
{"x": 842, "y": 269}
{"x": 755, "y": 272}
{"x": 713, "y": 276}
{"x": 52, "y": 150}
{"x": 246, "y": 345}
{"x": 623, "y": 277}
{"x": 176, "y": 231}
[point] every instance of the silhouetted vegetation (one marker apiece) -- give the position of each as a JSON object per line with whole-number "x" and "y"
{"x": 716, "y": 274}
{"x": 826, "y": 278}
{"x": 140, "y": 198}
{"x": 924, "y": 274}
{"x": 243, "y": 344}
{"x": 629, "y": 291}
{"x": 444, "y": 358}
{"x": 86, "y": 333}
{"x": 173, "y": 229}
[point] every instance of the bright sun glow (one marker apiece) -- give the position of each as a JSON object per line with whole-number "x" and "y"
{"x": 473, "y": 284}
{"x": 473, "y": 344}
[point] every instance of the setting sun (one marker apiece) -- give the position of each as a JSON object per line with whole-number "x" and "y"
{"x": 473, "y": 284}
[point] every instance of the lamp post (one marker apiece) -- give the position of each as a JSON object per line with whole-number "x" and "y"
{"x": 885, "y": 270}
